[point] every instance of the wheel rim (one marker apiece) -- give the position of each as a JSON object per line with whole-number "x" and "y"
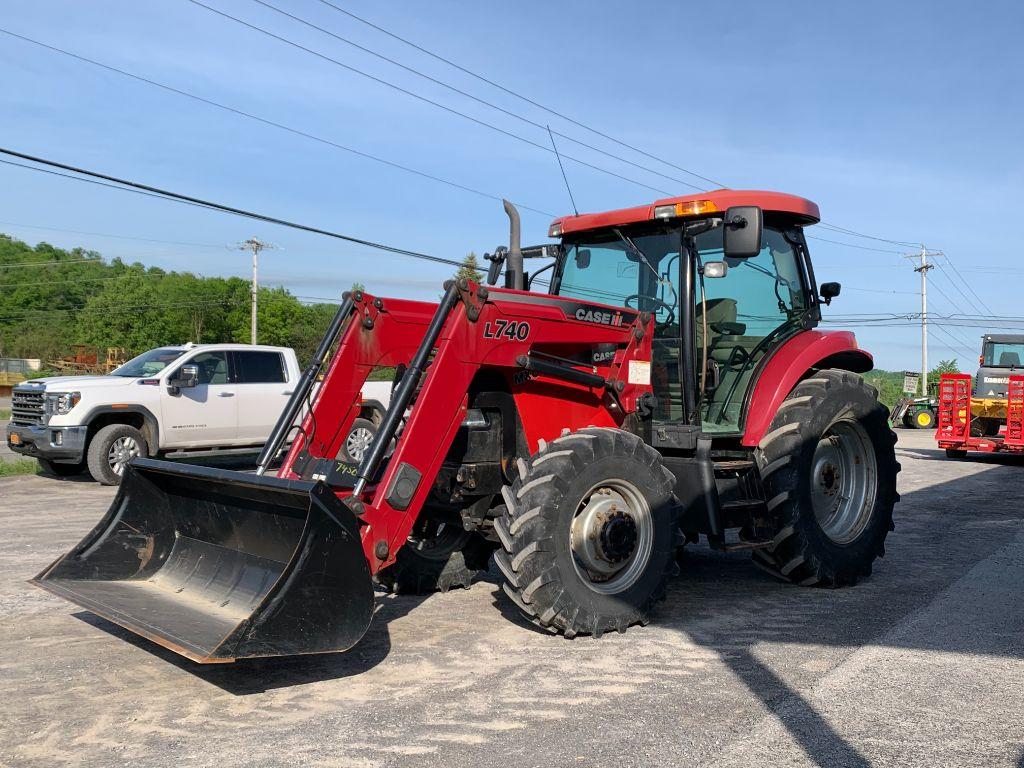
{"x": 844, "y": 479}
{"x": 122, "y": 450}
{"x": 358, "y": 441}
{"x": 612, "y": 536}
{"x": 924, "y": 418}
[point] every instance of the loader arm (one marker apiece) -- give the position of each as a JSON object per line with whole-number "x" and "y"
{"x": 525, "y": 338}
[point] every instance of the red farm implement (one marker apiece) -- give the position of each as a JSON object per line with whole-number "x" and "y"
{"x": 960, "y": 430}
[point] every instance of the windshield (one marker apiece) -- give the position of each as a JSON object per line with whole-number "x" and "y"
{"x": 636, "y": 272}
{"x": 148, "y": 363}
{"x": 1000, "y": 354}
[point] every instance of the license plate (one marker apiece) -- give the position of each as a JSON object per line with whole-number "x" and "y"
{"x": 15, "y": 439}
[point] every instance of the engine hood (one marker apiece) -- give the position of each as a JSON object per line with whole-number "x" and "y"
{"x": 72, "y": 383}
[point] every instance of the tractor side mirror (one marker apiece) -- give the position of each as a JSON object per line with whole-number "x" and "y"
{"x": 185, "y": 377}
{"x": 712, "y": 269}
{"x": 582, "y": 258}
{"x": 829, "y": 291}
{"x": 497, "y": 259}
{"x": 744, "y": 225}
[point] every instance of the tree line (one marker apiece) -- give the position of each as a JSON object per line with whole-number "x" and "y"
{"x": 52, "y": 299}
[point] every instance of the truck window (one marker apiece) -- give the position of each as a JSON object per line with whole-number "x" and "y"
{"x": 148, "y": 363}
{"x": 213, "y": 367}
{"x": 259, "y": 368}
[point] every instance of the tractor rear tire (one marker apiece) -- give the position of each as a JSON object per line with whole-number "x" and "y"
{"x": 589, "y": 533}
{"x": 448, "y": 558}
{"x": 829, "y": 471}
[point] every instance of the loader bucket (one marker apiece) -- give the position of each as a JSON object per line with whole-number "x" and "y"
{"x": 219, "y": 565}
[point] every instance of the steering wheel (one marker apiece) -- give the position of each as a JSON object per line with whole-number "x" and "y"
{"x": 659, "y": 304}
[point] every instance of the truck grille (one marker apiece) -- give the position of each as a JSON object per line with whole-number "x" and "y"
{"x": 27, "y": 408}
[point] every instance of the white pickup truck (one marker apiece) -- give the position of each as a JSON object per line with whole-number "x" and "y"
{"x": 195, "y": 397}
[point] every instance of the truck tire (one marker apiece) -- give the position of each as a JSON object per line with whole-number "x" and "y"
{"x": 450, "y": 557}
{"x": 589, "y": 533}
{"x": 956, "y": 453}
{"x": 829, "y": 472}
{"x": 110, "y": 450}
{"x": 54, "y": 469}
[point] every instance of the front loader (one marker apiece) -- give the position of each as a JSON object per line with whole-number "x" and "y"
{"x": 669, "y": 384}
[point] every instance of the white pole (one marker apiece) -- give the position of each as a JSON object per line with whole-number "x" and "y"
{"x": 924, "y": 322}
{"x": 255, "y": 290}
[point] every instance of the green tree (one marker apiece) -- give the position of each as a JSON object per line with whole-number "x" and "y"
{"x": 470, "y": 269}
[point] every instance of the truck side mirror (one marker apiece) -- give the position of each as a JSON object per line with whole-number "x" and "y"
{"x": 582, "y": 258}
{"x": 744, "y": 225}
{"x": 829, "y": 291}
{"x": 185, "y": 377}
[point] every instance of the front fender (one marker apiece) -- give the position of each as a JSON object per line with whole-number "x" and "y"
{"x": 790, "y": 363}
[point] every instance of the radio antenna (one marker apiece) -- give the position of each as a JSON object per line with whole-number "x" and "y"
{"x": 562, "y": 168}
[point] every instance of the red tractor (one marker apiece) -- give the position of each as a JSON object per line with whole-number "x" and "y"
{"x": 668, "y": 383}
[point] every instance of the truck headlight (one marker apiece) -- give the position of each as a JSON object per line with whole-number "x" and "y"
{"x": 59, "y": 403}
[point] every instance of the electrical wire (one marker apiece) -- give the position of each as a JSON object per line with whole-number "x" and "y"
{"x": 419, "y": 97}
{"x": 125, "y": 185}
{"x": 267, "y": 121}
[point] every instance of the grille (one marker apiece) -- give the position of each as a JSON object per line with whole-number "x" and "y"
{"x": 26, "y": 408}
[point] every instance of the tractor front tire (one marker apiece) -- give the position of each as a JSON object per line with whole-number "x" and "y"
{"x": 445, "y": 558}
{"x": 924, "y": 419}
{"x": 589, "y": 533}
{"x": 829, "y": 470}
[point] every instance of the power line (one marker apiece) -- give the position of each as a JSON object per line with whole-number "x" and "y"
{"x": 952, "y": 266}
{"x": 556, "y": 113}
{"x": 267, "y": 121}
{"x": 107, "y": 234}
{"x": 466, "y": 94}
{"x": 144, "y": 189}
{"x": 419, "y": 97}
{"x": 852, "y": 245}
{"x": 521, "y": 97}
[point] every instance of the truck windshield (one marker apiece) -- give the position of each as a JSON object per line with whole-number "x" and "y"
{"x": 148, "y": 363}
{"x": 999, "y": 354}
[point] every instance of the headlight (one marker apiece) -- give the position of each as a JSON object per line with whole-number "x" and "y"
{"x": 59, "y": 403}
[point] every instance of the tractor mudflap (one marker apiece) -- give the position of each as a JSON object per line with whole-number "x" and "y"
{"x": 219, "y": 565}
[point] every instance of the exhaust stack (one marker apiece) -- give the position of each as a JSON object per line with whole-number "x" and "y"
{"x": 514, "y": 266}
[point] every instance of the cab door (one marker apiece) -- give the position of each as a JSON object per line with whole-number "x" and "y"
{"x": 205, "y": 415}
{"x": 263, "y": 389}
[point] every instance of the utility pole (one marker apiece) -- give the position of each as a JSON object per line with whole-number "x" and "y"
{"x": 923, "y": 268}
{"x": 255, "y": 245}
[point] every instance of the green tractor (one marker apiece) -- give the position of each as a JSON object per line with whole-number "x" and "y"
{"x": 915, "y": 412}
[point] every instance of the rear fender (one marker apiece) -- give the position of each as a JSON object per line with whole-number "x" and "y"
{"x": 792, "y": 362}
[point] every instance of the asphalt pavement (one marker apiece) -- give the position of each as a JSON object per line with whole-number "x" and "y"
{"x": 920, "y": 665}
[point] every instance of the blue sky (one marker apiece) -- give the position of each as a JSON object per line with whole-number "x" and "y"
{"x": 901, "y": 120}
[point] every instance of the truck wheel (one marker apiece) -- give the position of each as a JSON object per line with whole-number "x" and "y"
{"x": 446, "y": 557}
{"x": 54, "y": 469}
{"x": 110, "y": 451}
{"x": 589, "y": 533}
{"x": 956, "y": 453}
{"x": 924, "y": 419}
{"x": 358, "y": 440}
{"x": 829, "y": 472}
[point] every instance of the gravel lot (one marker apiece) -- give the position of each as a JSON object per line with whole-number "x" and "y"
{"x": 919, "y": 665}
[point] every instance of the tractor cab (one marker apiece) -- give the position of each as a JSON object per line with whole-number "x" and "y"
{"x": 726, "y": 285}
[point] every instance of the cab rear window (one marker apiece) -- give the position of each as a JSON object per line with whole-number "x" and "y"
{"x": 259, "y": 368}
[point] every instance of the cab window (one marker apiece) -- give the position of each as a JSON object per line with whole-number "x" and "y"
{"x": 213, "y": 367}
{"x": 259, "y": 368}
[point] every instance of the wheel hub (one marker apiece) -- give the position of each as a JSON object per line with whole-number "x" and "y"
{"x": 618, "y": 537}
{"x": 844, "y": 478}
{"x": 611, "y": 537}
{"x": 358, "y": 441}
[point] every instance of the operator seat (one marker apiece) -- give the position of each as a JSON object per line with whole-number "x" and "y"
{"x": 1009, "y": 360}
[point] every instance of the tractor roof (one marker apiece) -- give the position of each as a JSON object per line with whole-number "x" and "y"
{"x": 690, "y": 205}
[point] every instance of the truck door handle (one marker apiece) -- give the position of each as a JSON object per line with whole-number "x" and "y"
{"x": 225, "y": 394}
{"x": 288, "y": 392}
